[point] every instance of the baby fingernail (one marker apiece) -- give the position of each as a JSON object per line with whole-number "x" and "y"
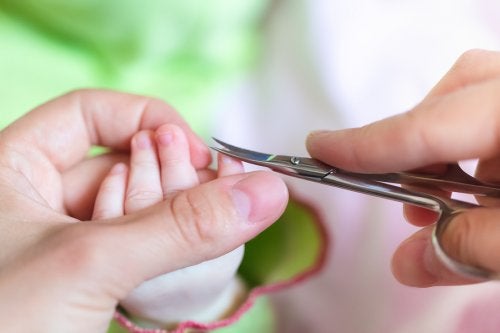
{"x": 118, "y": 169}
{"x": 165, "y": 138}
{"x": 143, "y": 140}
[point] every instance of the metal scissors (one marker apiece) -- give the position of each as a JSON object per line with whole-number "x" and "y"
{"x": 382, "y": 185}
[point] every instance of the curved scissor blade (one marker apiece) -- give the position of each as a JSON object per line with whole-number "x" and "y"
{"x": 303, "y": 167}
{"x": 246, "y": 155}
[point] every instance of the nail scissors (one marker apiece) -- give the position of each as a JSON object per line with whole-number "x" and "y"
{"x": 454, "y": 179}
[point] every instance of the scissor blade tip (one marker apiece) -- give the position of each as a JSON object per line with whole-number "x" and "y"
{"x": 241, "y": 153}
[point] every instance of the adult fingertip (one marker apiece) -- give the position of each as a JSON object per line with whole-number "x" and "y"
{"x": 317, "y": 133}
{"x": 342, "y": 148}
{"x": 260, "y": 197}
{"x": 415, "y": 263}
{"x": 411, "y": 263}
{"x": 316, "y": 139}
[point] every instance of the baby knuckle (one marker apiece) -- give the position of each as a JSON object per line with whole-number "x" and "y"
{"x": 102, "y": 213}
{"x": 141, "y": 195}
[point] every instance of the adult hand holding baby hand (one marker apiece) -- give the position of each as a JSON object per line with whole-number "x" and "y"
{"x": 69, "y": 276}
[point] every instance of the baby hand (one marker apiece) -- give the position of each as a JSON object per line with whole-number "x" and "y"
{"x": 160, "y": 167}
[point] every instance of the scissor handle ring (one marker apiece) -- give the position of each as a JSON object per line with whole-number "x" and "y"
{"x": 470, "y": 271}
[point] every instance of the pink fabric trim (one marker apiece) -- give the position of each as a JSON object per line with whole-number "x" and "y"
{"x": 254, "y": 293}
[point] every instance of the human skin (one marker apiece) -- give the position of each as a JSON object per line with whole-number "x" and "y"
{"x": 159, "y": 167}
{"x": 458, "y": 120}
{"x": 60, "y": 275}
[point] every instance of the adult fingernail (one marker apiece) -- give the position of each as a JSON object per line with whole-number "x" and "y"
{"x": 317, "y": 134}
{"x": 319, "y": 138}
{"x": 261, "y": 196}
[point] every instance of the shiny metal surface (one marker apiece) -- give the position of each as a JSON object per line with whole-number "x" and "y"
{"x": 454, "y": 179}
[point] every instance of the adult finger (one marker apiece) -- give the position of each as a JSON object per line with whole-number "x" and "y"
{"x": 420, "y": 216}
{"x": 190, "y": 227}
{"x": 461, "y": 125}
{"x": 471, "y": 238}
{"x": 415, "y": 263}
{"x": 84, "y": 266}
{"x": 63, "y": 129}
{"x": 472, "y": 67}
{"x": 487, "y": 171}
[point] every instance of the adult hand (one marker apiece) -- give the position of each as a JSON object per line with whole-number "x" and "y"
{"x": 60, "y": 275}
{"x": 458, "y": 120}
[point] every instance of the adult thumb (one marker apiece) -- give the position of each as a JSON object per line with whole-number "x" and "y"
{"x": 198, "y": 224}
{"x": 473, "y": 238}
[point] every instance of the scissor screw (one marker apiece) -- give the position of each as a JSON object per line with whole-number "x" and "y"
{"x": 295, "y": 160}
